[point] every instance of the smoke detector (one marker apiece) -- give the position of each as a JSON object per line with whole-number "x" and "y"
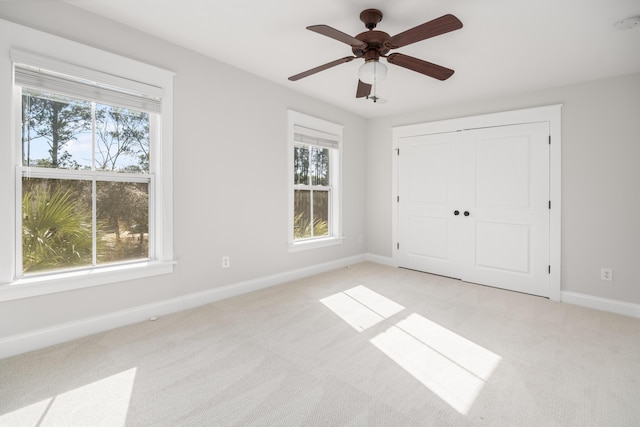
{"x": 629, "y": 23}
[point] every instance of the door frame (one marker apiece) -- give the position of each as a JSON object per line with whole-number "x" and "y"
{"x": 550, "y": 114}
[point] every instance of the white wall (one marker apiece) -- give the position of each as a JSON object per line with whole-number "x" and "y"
{"x": 600, "y": 178}
{"x": 223, "y": 117}
{"x": 221, "y": 211}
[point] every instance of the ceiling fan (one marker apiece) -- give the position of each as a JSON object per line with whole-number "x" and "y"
{"x": 373, "y": 44}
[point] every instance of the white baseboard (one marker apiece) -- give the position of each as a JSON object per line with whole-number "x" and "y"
{"x": 34, "y": 340}
{"x": 41, "y": 338}
{"x": 378, "y": 259}
{"x": 614, "y": 306}
{"x": 217, "y": 294}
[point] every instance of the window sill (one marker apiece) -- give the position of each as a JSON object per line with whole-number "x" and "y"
{"x": 315, "y": 243}
{"x": 66, "y": 281}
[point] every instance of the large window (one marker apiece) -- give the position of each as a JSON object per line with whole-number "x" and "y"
{"x": 315, "y": 181}
{"x": 85, "y": 175}
{"x": 91, "y": 189}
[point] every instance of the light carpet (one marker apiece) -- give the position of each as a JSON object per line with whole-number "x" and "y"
{"x": 367, "y": 345}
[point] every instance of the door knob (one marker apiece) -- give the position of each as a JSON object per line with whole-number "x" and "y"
{"x": 456, "y": 212}
{"x": 466, "y": 213}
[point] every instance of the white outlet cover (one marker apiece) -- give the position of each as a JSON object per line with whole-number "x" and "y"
{"x": 606, "y": 274}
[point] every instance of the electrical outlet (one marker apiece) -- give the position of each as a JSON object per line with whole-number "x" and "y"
{"x": 225, "y": 262}
{"x": 606, "y": 274}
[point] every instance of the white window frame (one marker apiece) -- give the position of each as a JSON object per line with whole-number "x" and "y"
{"x": 84, "y": 62}
{"x": 316, "y": 126}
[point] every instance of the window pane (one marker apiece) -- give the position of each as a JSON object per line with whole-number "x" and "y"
{"x": 56, "y": 131}
{"x": 122, "y": 140}
{"x": 56, "y": 224}
{"x": 302, "y": 214}
{"x": 320, "y": 213}
{"x": 122, "y": 214}
{"x": 319, "y": 166}
{"x": 300, "y": 165}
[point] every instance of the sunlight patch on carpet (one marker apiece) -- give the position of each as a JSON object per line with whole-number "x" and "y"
{"x": 361, "y": 307}
{"x": 451, "y": 366}
{"x": 101, "y": 403}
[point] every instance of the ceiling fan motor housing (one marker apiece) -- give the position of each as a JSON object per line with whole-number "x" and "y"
{"x": 375, "y": 43}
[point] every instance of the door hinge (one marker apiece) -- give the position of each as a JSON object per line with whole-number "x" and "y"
{"x": 549, "y": 204}
{"x": 549, "y": 269}
{"x": 398, "y": 199}
{"x": 397, "y": 245}
{"x": 549, "y": 139}
{"x": 398, "y": 151}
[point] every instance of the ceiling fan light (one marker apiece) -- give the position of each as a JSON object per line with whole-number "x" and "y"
{"x": 372, "y": 72}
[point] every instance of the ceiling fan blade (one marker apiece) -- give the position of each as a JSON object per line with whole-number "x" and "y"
{"x": 363, "y": 90}
{"x": 427, "y": 68}
{"x": 321, "y": 68}
{"x": 444, "y": 24}
{"x": 328, "y": 31}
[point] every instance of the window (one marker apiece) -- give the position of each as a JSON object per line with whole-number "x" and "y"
{"x": 315, "y": 182}
{"x": 89, "y": 176}
{"x": 85, "y": 173}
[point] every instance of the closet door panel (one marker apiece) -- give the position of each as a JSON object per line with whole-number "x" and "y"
{"x": 506, "y": 192}
{"x": 428, "y": 188}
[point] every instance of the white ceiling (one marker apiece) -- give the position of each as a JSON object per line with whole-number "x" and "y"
{"x": 505, "y": 46}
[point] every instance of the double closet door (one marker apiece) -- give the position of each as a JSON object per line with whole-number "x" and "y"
{"x": 474, "y": 205}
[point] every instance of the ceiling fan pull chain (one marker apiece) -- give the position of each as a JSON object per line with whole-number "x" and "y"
{"x": 375, "y": 86}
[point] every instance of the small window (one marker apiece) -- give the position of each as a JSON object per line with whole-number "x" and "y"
{"x": 315, "y": 182}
